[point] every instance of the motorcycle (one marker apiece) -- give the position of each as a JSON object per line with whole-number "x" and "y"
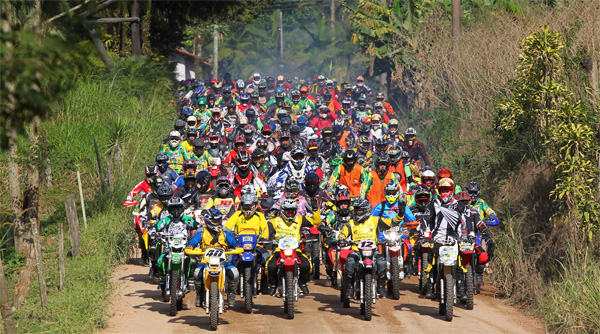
{"x": 469, "y": 262}
{"x": 248, "y": 264}
{"x": 213, "y": 280}
{"x": 364, "y": 278}
{"x": 445, "y": 286}
{"x": 313, "y": 248}
{"x": 393, "y": 248}
{"x": 175, "y": 287}
{"x": 422, "y": 261}
{"x": 288, "y": 271}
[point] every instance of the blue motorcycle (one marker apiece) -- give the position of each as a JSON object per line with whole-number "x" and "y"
{"x": 249, "y": 266}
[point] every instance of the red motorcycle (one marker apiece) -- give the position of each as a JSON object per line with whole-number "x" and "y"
{"x": 469, "y": 261}
{"x": 312, "y": 249}
{"x": 288, "y": 271}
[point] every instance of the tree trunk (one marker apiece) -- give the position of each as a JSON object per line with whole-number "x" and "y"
{"x": 455, "y": 22}
{"x": 135, "y": 30}
{"x": 215, "y": 73}
{"x": 100, "y": 46}
{"x": 124, "y": 13}
{"x": 146, "y": 28}
{"x": 332, "y": 19}
{"x": 281, "y": 37}
{"x": 7, "y": 318}
{"x": 14, "y": 190}
{"x": 199, "y": 56}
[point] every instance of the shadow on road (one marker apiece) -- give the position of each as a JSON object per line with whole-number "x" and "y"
{"x": 431, "y": 311}
{"x": 200, "y": 321}
{"x": 332, "y": 303}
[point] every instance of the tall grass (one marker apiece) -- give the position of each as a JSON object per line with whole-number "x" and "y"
{"x": 128, "y": 105}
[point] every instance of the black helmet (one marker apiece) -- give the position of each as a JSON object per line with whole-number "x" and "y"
{"x": 295, "y": 130}
{"x": 150, "y": 171}
{"x": 155, "y": 182}
{"x": 422, "y": 198}
{"x": 258, "y": 157}
{"x": 311, "y": 184}
{"x": 165, "y": 192}
{"x": 349, "y": 158}
{"x": 473, "y": 189}
{"x": 203, "y": 180}
{"x": 162, "y": 161}
{"x": 362, "y": 210}
{"x": 176, "y": 207}
{"x": 291, "y": 187}
{"x": 179, "y": 125}
{"x": 382, "y": 159}
{"x": 223, "y": 186}
{"x": 327, "y": 96}
{"x": 327, "y": 134}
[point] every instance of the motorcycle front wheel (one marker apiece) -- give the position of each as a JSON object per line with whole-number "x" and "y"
{"x": 214, "y": 305}
{"x": 368, "y": 296}
{"x": 173, "y": 287}
{"x": 448, "y": 297}
{"x": 248, "y": 289}
{"x": 469, "y": 287}
{"x": 289, "y": 294}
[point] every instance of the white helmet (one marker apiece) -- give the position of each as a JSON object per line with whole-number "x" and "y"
{"x": 174, "y": 139}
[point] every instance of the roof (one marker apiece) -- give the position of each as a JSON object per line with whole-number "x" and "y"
{"x": 188, "y": 54}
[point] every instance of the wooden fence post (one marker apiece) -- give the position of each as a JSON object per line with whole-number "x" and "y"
{"x": 99, "y": 164}
{"x": 109, "y": 172}
{"x": 81, "y": 198}
{"x": 7, "y": 318}
{"x": 73, "y": 220}
{"x": 39, "y": 262}
{"x": 61, "y": 255}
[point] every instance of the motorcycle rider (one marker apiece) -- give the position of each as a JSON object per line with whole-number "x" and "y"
{"x": 329, "y": 148}
{"x": 292, "y": 191}
{"x": 324, "y": 121}
{"x": 446, "y": 173}
{"x": 217, "y": 124}
{"x": 187, "y": 191}
{"x": 143, "y": 187}
{"x": 485, "y": 212}
{"x": 212, "y": 235}
{"x": 199, "y": 155}
{"x": 289, "y": 224}
{"x": 374, "y": 186}
{"x": 360, "y": 89}
{"x": 162, "y": 162}
{"x": 225, "y": 200}
{"x": 176, "y": 152}
{"x": 297, "y": 140}
{"x": 349, "y": 174}
{"x": 204, "y": 189}
{"x": 296, "y": 169}
{"x": 443, "y": 217}
{"x": 415, "y": 149}
{"x": 244, "y": 173}
{"x": 361, "y": 111}
{"x": 362, "y": 227}
{"x": 314, "y": 159}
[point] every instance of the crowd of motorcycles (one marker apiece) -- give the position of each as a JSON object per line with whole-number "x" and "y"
{"x": 263, "y": 182}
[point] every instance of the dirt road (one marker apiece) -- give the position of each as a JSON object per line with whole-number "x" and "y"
{"x": 137, "y": 307}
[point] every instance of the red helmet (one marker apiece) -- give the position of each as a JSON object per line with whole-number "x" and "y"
{"x": 444, "y": 173}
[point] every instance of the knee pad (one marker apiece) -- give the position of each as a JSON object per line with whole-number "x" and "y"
{"x": 198, "y": 274}
{"x": 233, "y": 275}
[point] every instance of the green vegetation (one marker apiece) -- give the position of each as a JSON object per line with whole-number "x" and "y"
{"x": 138, "y": 112}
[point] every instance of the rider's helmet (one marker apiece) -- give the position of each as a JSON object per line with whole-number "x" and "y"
{"x": 223, "y": 186}
{"x": 150, "y": 171}
{"x": 298, "y": 157}
{"x": 362, "y": 102}
{"x": 267, "y": 131}
{"x": 304, "y": 91}
{"x": 256, "y": 78}
{"x": 279, "y": 95}
{"x": 349, "y": 157}
{"x": 202, "y": 102}
{"x": 203, "y": 180}
{"x": 242, "y": 160}
{"x": 155, "y": 182}
{"x": 342, "y": 202}
{"x": 346, "y": 103}
{"x": 380, "y": 97}
{"x": 473, "y": 189}
{"x": 381, "y": 145}
{"x": 292, "y": 188}
{"x": 312, "y": 184}
{"x": 286, "y": 123}
{"x": 195, "y": 83}
{"x": 364, "y": 144}
{"x": 327, "y": 134}
{"x": 313, "y": 149}
{"x": 249, "y": 204}
{"x": 284, "y": 140}
{"x": 248, "y": 132}
{"x": 444, "y": 173}
{"x": 410, "y": 136}
{"x": 191, "y": 121}
{"x": 422, "y": 198}
{"x": 295, "y": 96}
{"x": 165, "y": 192}
{"x": 191, "y": 134}
{"x": 262, "y": 86}
{"x": 364, "y": 130}
{"x": 327, "y": 96}
{"x": 323, "y": 111}
{"x": 376, "y": 121}
{"x": 360, "y": 81}
{"x": 428, "y": 180}
{"x": 392, "y": 192}
{"x": 244, "y": 99}
{"x": 395, "y": 153}
{"x": 189, "y": 179}
{"x": 162, "y": 161}
{"x": 382, "y": 165}
{"x": 262, "y": 144}
{"x": 240, "y": 143}
{"x": 301, "y": 121}
{"x": 338, "y": 131}
{"x": 176, "y": 207}
{"x": 362, "y": 210}
{"x": 289, "y": 209}
{"x": 393, "y": 125}
{"x": 446, "y": 189}
{"x": 240, "y": 85}
{"x": 189, "y": 164}
{"x": 215, "y": 114}
{"x": 258, "y": 157}
{"x": 464, "y": 197}
{"x": 214, "y": 220}
{"x": 174, "y": 139}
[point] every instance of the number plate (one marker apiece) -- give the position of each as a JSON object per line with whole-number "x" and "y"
{"x": 247, "y": 239}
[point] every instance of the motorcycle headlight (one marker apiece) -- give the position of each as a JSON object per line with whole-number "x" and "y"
{"x": 288, "y": 252}
{"x": 247, "y": 247}
{"x": 448, "y": 255}
{"x": 367, "y": 253}
{"x": 393, "y": 235}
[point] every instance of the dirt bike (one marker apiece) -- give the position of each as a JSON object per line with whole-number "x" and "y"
{"x": 469, "y": 263}
{"x": 364, "y": 278}
{"x": 447, "y": 260}
{"x": 174, "y": 241}
{"x": 248, "y": 264}
{"x": 288, "y": 270}
{"x": 393, "y": 248}
{"x": 213, "y": 280}
{"x": 313, "y": 248}
{"x": 422, "y": 260}
{"x": 338, "y": 255}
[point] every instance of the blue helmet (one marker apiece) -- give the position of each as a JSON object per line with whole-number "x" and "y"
{"x": 302, "y": 122}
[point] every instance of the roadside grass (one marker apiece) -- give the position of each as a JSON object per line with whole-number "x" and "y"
{"x": 128, "y": 105}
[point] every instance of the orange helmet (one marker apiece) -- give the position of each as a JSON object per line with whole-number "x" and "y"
{"x": 444, "y": 173}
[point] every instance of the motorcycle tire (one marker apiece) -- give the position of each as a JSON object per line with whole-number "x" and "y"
{"x": 448, "y": 297}
{"x": 289, "y": 294}
{"x": 469, "y": 288}
{"x": 174, "y": 286}
{"x": 423, "y": 277}
{"x": 395, "y": 268}
{"x": 248, "y": 289}
{"x": 316, "y": 261}
{"x": 214, "y": 305}
{"x": 368, "y": 296}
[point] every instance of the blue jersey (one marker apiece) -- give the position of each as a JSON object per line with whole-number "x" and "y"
{"x": 390, "y": 211}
